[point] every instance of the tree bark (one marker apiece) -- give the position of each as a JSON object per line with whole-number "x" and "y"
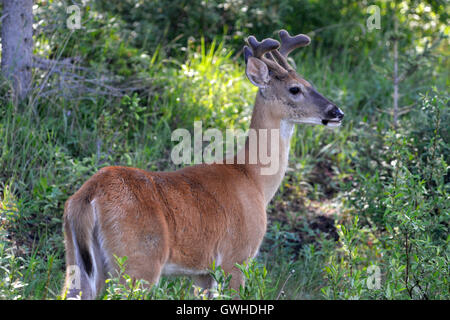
{"x": 17, "y": 45}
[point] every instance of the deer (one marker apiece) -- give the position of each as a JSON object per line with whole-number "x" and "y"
{"x": 181, "y": 222}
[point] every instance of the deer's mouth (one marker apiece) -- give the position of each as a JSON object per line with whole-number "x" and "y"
{"x": 332, "y": 122}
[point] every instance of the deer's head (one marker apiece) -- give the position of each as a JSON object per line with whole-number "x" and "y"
{"x": 296, "y": 100}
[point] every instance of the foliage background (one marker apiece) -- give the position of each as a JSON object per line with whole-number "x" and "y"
{"x": 368, "y": 194}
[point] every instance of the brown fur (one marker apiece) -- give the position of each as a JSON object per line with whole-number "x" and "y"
{"x": 188, "y": 218}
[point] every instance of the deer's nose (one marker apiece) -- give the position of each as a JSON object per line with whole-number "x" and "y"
{"x": 335, "y": 112}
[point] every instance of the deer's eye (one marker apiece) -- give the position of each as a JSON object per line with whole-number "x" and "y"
{"x": 294, "y": 90}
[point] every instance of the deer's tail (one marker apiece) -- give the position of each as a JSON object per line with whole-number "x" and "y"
{"x": 86, "y": 267}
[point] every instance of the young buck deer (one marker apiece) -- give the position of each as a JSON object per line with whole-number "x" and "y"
{"x": 179, "y": 223}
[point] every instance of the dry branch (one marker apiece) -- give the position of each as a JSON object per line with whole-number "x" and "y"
{"x": 67, "y": 78}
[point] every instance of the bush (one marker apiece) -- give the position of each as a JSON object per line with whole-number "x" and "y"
{"x": 405, "y": 215}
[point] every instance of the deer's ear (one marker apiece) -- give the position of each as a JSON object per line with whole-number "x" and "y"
{"x": 257, "y": 72}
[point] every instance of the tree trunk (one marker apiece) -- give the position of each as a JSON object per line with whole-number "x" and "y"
{"x": 17, "y": 45}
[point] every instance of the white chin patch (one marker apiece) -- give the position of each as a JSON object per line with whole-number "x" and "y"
{"x": 334, "y": 123}
{"x": 310, "y": 120}
{"x": 318, "y": 121}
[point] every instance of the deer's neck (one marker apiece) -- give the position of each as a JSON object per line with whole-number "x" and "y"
{"x": 272, "y": 137}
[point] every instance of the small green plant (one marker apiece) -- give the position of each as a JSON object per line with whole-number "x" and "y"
{"x": 255, "y": 276}
{"x": 221, "y": 291}
{"x": 11, "y": 274}
{"x": 123, "y": 287}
